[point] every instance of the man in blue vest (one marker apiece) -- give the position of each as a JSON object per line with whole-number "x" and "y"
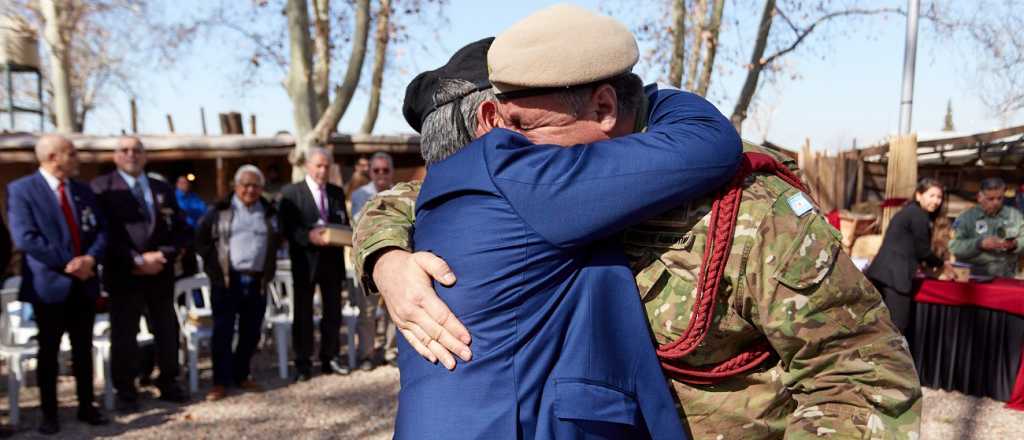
{"x": 561, "y": 348}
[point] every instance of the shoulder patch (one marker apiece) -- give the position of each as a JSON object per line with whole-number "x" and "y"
{"x": 981, "y": 227}
{"x": 799, "y": 204}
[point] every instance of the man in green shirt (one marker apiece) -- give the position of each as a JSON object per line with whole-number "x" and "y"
{"x": 988, "y": 235}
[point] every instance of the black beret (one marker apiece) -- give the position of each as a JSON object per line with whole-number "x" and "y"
{"x": 468, "y": 64}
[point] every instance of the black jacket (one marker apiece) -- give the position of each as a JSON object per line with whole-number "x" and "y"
{"x": 213, "y": 235}
{"x": 907, "y": 243}
{"x": 299, "y": 214}
{"x": 128, "y": 233}
{"x": 5, "y": 248}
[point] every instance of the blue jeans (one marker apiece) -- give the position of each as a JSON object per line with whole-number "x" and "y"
{"x": 245, "y": 303}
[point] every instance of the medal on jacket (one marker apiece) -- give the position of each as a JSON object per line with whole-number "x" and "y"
{"x": 88, "y": 219}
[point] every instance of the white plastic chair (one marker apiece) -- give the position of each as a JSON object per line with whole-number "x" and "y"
{"x": 101, "y": 353}
{"x": 279, "y": 317}
{"x": 190, "y": 320}
{"x": 14, "y": 355}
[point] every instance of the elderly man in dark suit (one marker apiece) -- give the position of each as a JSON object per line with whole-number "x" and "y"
{"x": 147, "y": 231}
{"x": 57, "y": 223}
{"x": 306, "y": 208}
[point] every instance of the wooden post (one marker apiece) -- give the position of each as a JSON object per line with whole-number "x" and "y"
{"x": 900, "y": 173}
{"x": 252, "y": 124}
{"x": 225, "y": 128}
{"x": 170, "y": 123}
{"x": 135, "y": 117}
{"x": 859, "y": 195}
{"x": 202, "y": 119}
{"x": 222, "y": 182}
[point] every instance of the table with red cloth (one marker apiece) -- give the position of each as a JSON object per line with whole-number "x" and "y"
{"x": 969, "y": 337}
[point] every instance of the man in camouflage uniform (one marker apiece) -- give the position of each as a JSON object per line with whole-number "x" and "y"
{"x": 840, "y": 369}
{"x": 988, "y": 235}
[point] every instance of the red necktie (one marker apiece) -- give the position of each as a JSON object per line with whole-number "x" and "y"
{"x": 65, "y": 206}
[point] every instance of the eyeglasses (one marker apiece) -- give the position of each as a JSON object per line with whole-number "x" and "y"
{"x": 380, "y": 170}
{"x": 250, "y": 185}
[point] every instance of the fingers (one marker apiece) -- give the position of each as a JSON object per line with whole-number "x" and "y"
{"x": 445, "y": 328}
{"x": 417, "y": 345}
{"x": 438, "y": 352}
{"x": 435, "y": 267}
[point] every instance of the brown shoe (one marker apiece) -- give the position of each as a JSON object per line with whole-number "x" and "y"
{"x": 217, "y": 393}
{"x": 250, "y": 386}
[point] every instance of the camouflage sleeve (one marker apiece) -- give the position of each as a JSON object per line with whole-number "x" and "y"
{"x": 965, "y": 239}
{"x": 385, "y": 222}
{"x": 845, "y": 363}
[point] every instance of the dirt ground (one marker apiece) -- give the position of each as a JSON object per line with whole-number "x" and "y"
{"x": 362, "y": 406}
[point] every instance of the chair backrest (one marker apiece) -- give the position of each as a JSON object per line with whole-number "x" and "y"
{"x": 281, "y": 291}
{"x": 185, "y": 292}
{"x": 7, "y": 296}
{"x": 12, "y": 283}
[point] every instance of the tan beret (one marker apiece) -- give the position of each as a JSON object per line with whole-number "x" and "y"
{"x": 561, "y": 46}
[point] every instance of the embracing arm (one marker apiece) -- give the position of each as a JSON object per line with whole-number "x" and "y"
{"x": 688, "y": 150}
{"x": 386, "y": 222}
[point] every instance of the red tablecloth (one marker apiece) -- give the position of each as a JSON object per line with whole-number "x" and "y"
{"x": 1001, "y": 294}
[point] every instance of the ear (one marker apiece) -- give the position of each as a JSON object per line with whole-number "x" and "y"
{"x": 606, "y": 105}
{"x": 486, "y": 118}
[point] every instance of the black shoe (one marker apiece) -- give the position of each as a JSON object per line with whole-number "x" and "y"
{"x": 303, "y": 375}
{"x": 366, "y": 365}
{"x": 336, "y": 366}
{"x": 49, "y": 426}
{"x": 173, "y": 393}
{"x": 126, "y": 403}
{"x": 91, "y": 415}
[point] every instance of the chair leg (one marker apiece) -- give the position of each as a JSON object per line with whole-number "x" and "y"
{"x": 14, "y": 379}
{"x": 108, "y": 381}
{"x": 193, "y": 366}
{"x": 281, "y": 336}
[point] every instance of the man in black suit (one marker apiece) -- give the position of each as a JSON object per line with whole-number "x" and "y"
{"x": 307, "y": 207}
{"x": 146, "y": 233}
{"x": 5, "y": 249}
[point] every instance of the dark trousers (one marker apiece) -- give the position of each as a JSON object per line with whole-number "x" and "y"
{"x": 242, "y": 302}
{"x": 901, "y": 308}
{"x": 75, "y": 316}
{"x": 154, "y": 295}
{"x": 329, "y": 277}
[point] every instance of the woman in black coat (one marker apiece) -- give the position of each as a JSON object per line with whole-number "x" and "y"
{"x": 906, "y": 246}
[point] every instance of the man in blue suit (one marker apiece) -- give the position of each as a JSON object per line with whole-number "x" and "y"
{"x": 561, "y": 347}
{"x": 56, "y": 223}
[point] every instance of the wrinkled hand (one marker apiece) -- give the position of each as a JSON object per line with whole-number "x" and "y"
{"x": 404, "y": 280}
{"x": 317, "y": 237}
{"x": 152, "y": 263}
{"x": 81, "y": 267}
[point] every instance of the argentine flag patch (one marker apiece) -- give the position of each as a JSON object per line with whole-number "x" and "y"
{"x": 799, "y": 204}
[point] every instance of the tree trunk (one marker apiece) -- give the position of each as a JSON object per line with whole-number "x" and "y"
{"x": 383, "y": 35}
{"x": 58, "y": 38}
{"x": 713, "y": 30}
{"x": 343, "y": 94}
{"x": 700, "y": 20}
{"x": 675, "y": 74}
{"x": 299, "y": 84}
{"x": 739, "y": 114}
{"x": 322, "y": 60}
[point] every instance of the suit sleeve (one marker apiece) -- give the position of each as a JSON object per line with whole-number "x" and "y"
{"x": 5, "y": 248}
{"x": 291, "y": 220}
{"x": 966, "y": 241}
{"x": 98, "y": 249}
{"x": 923, "y": 241}
{"x": 574, "y": 195}
{"x": 180, "y": 236}
{"x": 204, "y": 244}
{"x": 29, "y": 237}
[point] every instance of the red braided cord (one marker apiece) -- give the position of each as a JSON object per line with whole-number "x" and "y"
{"x": 716, "y": 254}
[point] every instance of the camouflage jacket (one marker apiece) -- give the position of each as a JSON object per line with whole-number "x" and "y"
{"x": 842, "y": 371}
{"x": 973, "y": 225}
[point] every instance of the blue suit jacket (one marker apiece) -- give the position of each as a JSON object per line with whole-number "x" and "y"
{"x": 38, "y": 228}
{"x": 560, "y": 339}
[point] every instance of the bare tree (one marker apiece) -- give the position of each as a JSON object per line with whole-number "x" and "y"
{"x": 58, "y": 35}
{"x": 380, "y": 50}
{"x": 699, "y": 20}
{"x": 678, "y": 30}
{"x": 711, "y": 33}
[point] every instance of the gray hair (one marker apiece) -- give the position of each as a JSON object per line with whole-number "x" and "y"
{"x": 319, "y": 151}
{"x": 249, "y": 168}
{"x": 441, "y": 137}
{"x": 629, "y": 93}
{"x": 993, "y": 183}
{"x": 385, "y": 156}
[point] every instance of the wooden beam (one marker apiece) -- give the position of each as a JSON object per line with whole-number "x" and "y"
{"x": 901, "y": 173}
{"x": 202, "y": 119}
{"x": 252, "y": 124}
{"x": 222, "y": 181}
{"x": 170, "y": 123}
{"x": 135, "y": 117}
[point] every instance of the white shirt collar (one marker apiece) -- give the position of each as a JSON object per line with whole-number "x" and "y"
{"x": 51, "y": 180}
{"x": 313, "y": 186}
{"x": 130, "y": 180}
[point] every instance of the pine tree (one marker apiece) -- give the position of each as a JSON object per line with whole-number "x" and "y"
{"x": 948, "y": 126}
